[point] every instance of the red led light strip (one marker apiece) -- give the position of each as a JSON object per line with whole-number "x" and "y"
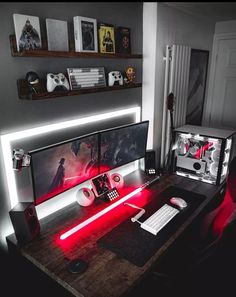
{"x": 99, "y": 214}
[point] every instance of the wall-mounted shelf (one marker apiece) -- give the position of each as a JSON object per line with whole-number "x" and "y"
{"x": 25, "y": 93}
{"x": 70, "y": 54}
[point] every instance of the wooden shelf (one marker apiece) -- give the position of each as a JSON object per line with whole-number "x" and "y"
{"x": 70, "y": 54}
{"x": 25, "y": 93}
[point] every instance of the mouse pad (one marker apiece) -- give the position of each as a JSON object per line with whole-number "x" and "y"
{"x": 131, "y": 242}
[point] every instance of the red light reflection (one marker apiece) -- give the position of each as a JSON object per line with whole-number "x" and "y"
{"x": 115, "y": 216}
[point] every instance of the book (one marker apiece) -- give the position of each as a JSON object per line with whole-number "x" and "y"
{"x": 57, "y": 35}
{"x": 85, "y": 34}
{"x": 106, "y": 36}
{"x": 27, "y": 31}
{"x": 123, "y": 42}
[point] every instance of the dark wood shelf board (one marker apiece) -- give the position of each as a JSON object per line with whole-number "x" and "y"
{"x": 26, "y": 93}
{"x": 70, "y": 54}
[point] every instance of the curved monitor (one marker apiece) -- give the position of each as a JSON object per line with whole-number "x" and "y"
{"x": 57, "y": 168}
{"x": 122, "y": 145}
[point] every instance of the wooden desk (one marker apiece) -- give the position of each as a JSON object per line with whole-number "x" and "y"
{"x": 108, "y": 274}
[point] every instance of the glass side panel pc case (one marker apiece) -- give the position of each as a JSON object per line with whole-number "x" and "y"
{"x": 202, "y": 153}
{"x": 59, "y": 167}
{"x": 122, "y": 145}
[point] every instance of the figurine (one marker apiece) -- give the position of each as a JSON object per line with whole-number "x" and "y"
{"x": 130, "y": 74}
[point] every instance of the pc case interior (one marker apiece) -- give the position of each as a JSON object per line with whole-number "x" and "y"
{"x": 202, "y": 153}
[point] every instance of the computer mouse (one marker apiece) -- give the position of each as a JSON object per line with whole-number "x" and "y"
{"x": 181, "y": 203}
{"x": 77, "y": 266}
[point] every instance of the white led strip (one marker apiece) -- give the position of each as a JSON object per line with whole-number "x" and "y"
{"x": 8, "y": 138}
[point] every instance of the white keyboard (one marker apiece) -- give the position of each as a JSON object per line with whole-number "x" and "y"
{"x": 159, "y": 219}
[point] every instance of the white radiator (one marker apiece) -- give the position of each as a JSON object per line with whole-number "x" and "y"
{"x": 176, "y": 81}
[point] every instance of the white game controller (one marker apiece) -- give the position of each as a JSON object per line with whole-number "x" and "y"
{"x": 113, "y": 77}
{"x": 56, "y": 80}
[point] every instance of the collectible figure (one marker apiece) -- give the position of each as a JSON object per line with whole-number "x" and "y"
{"x": 130, "y": 74}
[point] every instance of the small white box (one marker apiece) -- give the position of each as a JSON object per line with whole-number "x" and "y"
{"x": 85, "y": 34}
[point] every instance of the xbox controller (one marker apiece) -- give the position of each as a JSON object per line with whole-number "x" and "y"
{"x": 114, "y": 77}
{"x": 57, "y": 80}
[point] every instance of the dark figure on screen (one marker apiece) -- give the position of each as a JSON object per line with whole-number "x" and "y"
{"x": 58, "y": 179}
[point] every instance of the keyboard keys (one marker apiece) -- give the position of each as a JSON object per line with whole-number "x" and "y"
{"x": 159, "y": 219}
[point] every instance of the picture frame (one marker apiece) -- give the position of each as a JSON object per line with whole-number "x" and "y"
{"x": 106, "y": 37}
{"x": 197, "y": 86}
{"x": 85, "y": 34}
{"x": 27, "y": 31}
{"x": 123, "y": 40}
{"x": 57, "y": 35}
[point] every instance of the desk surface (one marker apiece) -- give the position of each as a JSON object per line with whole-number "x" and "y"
{"x": 108, "y": 274}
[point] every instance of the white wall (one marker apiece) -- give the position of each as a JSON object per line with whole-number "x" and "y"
{"x": 225, "y": 27}
{"x": 223, "y": 30}
{"x": 149, "y": 66}
{"x": 175, "y": 27}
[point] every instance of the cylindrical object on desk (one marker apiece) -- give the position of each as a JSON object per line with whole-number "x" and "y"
{"x": 85, "y": 196}
{"x": 150, "y": 159}
{"x": 117, "y": 180}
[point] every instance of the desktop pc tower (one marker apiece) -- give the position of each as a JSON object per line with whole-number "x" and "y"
{"x": 202, "y": 153}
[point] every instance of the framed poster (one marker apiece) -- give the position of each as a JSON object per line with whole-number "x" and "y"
{"x": 106, "y": 35}
{"x": 197, "y": 86}
{"x": 57, "y": 35}
{"x": 27, "y": 32}
{"x": 123, "y": 41}
{"x": 85, "y": 33}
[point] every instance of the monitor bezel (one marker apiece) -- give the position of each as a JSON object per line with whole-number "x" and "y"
{"x": 32, "y": 152}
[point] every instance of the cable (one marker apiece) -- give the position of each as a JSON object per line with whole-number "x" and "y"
{"x": 138, "y": 215}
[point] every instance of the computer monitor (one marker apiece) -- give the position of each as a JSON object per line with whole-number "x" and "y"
{"x": 122, "y": 145}
{"x": 58, "y": 168}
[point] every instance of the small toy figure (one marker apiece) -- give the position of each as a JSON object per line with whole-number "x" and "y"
{"x": 130, "y": 74}
{"x": 33, "y": 81}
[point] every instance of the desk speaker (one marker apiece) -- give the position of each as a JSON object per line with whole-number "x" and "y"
{"x": 85, "y": 196}
{"x": 117, "y": 180}
{"x": 25, "y": 221}
{"x": 150, "y": 160}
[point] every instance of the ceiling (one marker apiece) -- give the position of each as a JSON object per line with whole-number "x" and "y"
{"x": 213, "y": 11}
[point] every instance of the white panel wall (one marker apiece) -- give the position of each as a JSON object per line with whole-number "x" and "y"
{"x": 173, "y": 27}
{"x": 149, "y": 66}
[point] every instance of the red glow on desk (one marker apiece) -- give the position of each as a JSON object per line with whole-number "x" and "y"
{"x": 94, "y": 217}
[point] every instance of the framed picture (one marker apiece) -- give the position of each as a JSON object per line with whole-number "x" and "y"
{"x": 106, "y": 36}
{"x": 27, "y": 31}
{"x": 122, "y": 38}
{"x": 85, "y": 33}
{"x": 197, "y": 86}
{"x": 57, "y": 35}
